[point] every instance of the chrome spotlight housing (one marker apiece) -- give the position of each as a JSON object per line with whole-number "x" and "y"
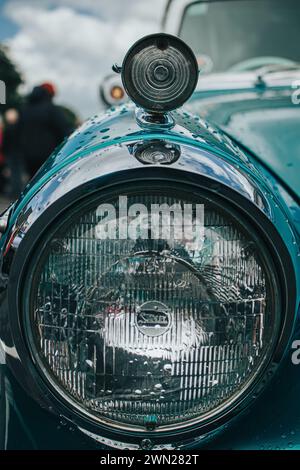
{"x": 160, "y": 72}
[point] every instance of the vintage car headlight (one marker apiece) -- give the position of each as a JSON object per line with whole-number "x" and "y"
{"x": 153, "y": 332}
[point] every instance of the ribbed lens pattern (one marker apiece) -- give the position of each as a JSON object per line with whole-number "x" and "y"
{"x": 160, "y": 73}
{"x": 146, "y": 66}
{"x": 148, "y": 332}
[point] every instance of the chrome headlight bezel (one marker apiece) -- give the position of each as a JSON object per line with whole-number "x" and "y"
{"x": 265, "y": 230}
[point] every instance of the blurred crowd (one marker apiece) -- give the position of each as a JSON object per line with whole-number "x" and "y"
{"x": 28, "y": 136}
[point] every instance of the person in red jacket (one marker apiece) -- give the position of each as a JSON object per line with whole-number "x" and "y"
{"x": 42, "y": 127}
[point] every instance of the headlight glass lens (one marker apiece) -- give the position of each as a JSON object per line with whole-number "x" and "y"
{"x": 148, "y": 333}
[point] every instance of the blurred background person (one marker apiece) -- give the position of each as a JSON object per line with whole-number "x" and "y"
{"x": 42, "y": 127}
{"x": 12, "y": 153}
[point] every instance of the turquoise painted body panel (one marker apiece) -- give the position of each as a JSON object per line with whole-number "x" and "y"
{"x": 266, "y": 123}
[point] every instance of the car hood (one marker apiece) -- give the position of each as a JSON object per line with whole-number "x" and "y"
{"x": 266, "y": 122}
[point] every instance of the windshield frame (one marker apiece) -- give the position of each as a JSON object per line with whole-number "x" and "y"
{"x": 186, "y": 4}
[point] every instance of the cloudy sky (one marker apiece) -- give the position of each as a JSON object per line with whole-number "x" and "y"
{"x": 74, "y": 42}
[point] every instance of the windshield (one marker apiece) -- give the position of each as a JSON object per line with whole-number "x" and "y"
{"x": 242, "y": 34}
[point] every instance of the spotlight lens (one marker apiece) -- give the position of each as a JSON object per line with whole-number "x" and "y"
{"x": 160, "y": 72}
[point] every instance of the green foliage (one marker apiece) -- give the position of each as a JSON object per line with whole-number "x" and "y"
{"x": 12, "y": 79}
